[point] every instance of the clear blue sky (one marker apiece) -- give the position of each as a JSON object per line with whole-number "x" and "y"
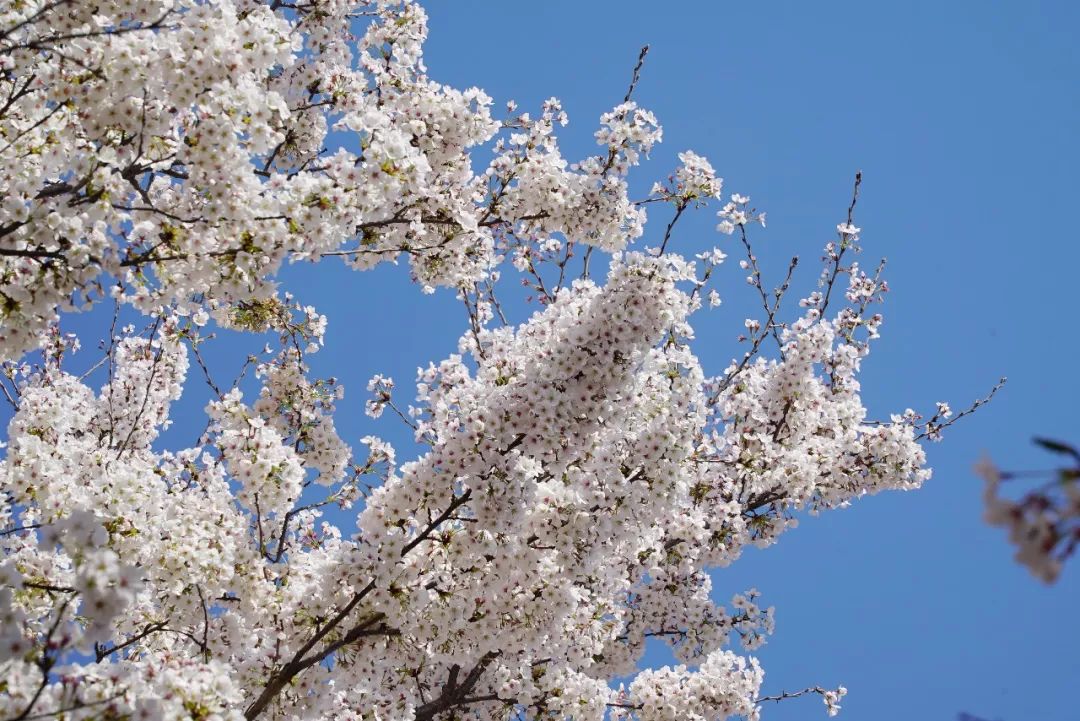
{"x": 963, "y": 118}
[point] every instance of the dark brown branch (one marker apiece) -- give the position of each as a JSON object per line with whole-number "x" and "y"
{"x": 40, "y": 122}
{"x": 49, "y": 587}
{"x": 49, "y": 7}
{"x": 76, "y": 706}
{"x": 146, "y": 396}
{"x": 103, "y": 652}
{"x": 19, "y": 529}
{"x": 44, "y": 43}
{"x": 967, "y": 411}
{"x": 637, "y": 73}
{"x": 27, "y": 253}
{"x": 456, "y": 503}
{"x": 301, "y": 661}
{"x": 457, "y": 694}
{"x": 679, "y": 209}
{"x": 844, "y": 245}
{"x": 46, "y": 662}
{"x": 759, "y": 338}
{"x": 204, "y": 644}
{"x": 791, "y": 694}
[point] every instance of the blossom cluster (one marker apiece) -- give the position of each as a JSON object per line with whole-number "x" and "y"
{"x": 1044, "y": 521}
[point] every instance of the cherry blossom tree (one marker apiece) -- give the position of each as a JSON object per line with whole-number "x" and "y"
{"x": 579, "y": 474}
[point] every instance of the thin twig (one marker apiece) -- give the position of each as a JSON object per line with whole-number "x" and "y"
{"x": 637, "y": 73}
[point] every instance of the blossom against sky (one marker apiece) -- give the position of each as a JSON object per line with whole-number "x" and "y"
{"x": 908, "y": 600}
{"x": 962, "y": 118}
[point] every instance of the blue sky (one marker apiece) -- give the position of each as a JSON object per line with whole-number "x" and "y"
{"x": 962, "y": 117}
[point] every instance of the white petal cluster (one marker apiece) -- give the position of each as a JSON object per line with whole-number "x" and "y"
{"x": 719, "y": 688}
{"x": 693, "y": 181}
{"x": 269, "y": 470}
{"x": 301, "y": 412}
{"x": 1043, "y": 523}
{"x": 793, "y": 439}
